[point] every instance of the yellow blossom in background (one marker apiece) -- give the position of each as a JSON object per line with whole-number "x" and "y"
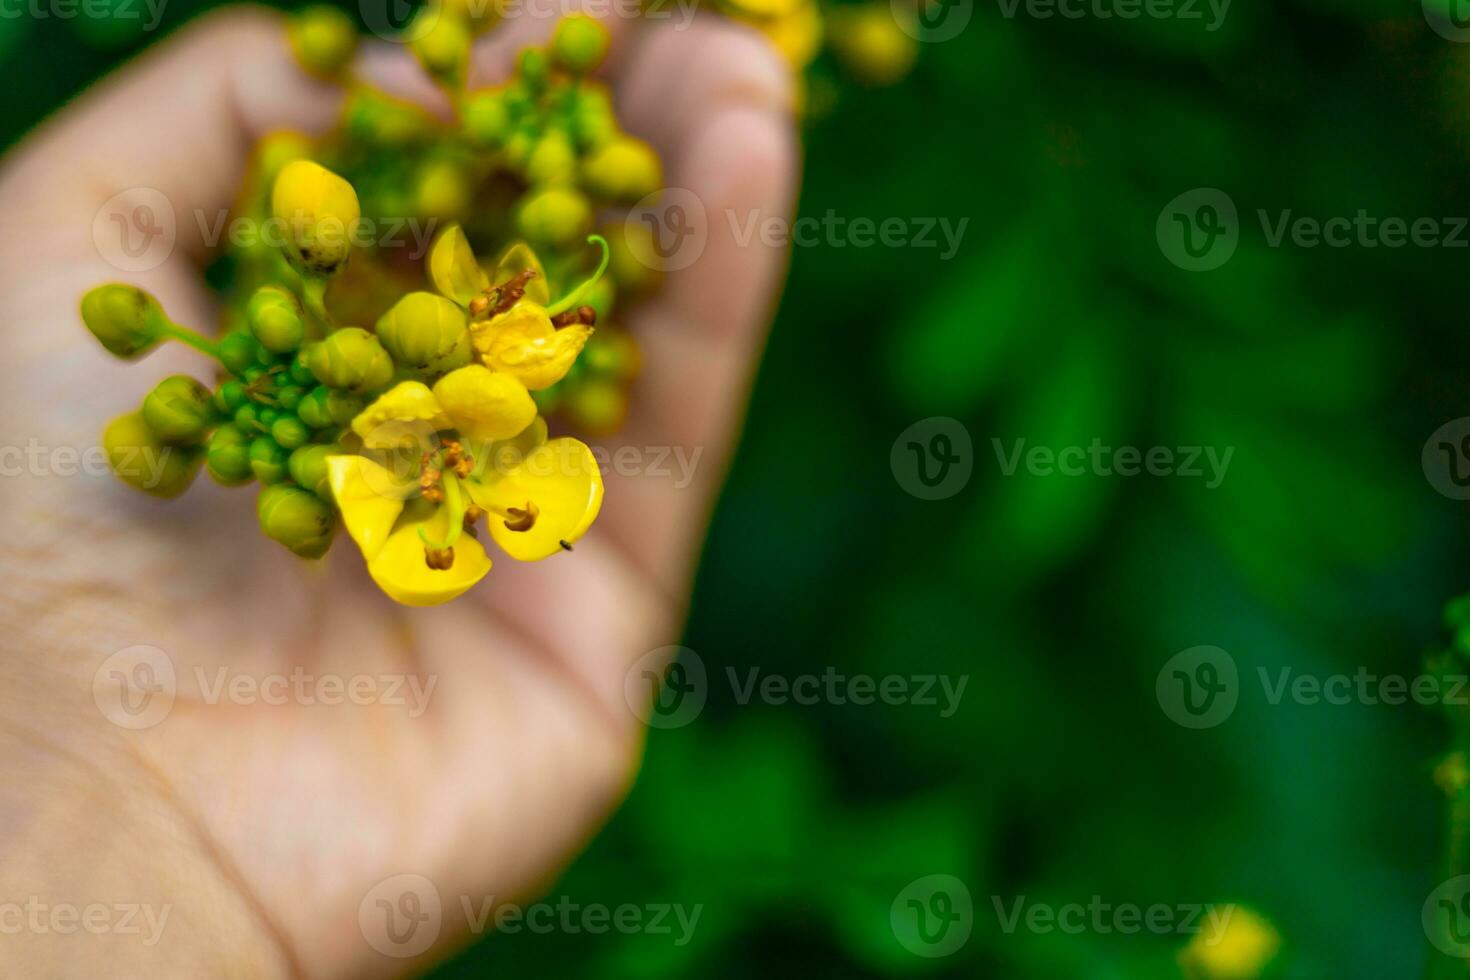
{"x": 1240, "y": 951}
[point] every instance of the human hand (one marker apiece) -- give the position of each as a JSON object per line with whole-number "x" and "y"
{"x": 263, "y": 827}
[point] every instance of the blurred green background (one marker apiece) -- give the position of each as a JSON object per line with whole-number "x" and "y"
{"x": 1060, "y": 320}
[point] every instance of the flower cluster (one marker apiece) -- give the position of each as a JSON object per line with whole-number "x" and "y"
{"x": 404, "y": 396}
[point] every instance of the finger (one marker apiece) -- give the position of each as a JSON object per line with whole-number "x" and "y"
{"x": 715, "y": 101}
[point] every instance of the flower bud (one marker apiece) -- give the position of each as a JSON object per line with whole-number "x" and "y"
{"x": 320, "y": 213}
{"x": 625, "y": 169}
{"x": 556, "y": 216}
{"x": 141, "y": 461}
{"x": 443, "y": 48}
{"x": 593, "y": 119}
{"x": 309, "y": 467}
{"x": 323, "y": 39}
{"x": 552, "y": 161}
{"x": 178, "y": 410}
{"x": 872, "y": 45}
{"x": 427, "y": 333}
{"x": 373, "y": 117}
{"x": 487, "y": 119}
{"x": 289, "y": 432}
{"x": 275, "y": 319}
{"x": 227, "y": 456}
{"x": 596, "y": 406}
{"x": 442, "y": 191}
{"x": 239, "y": 352}
{"x": 350, "y": 358}
{"x": 298, "y": 519}
{"x": 580, "y": 43}
{"x": 124, "y": 319}
{"x": 533, "y": 68}
{"x": 634, "y": 265}
{"x": 267, "y": 460}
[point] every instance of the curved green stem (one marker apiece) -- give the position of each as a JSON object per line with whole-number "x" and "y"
{"x": 314, "y": 297}
{"x": 574, "y": 298}
{"x": 184, "y": 335}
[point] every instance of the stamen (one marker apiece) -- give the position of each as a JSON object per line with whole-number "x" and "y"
{"x": 439, "y": 559}
{"x": 522, "y": 519}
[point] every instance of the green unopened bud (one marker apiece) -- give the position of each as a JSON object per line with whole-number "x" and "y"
{"x": 179, "y": 410}
{"x": 442, "y": 191}
{"x": 309, "y": 467}
{"x": 289, "y": 397}
{"x": 426, "y": 332}
{"x": 300, "y": 372}
{"x": 553, "y": 161}
{"x": 376, "y": 118}
{"x": 487, "y": 120}
{"x": 443, "y": 47}
{"x": 580, "y": 43}
{"x": 141, "y": 461}
{"x": 298, "y": 519}
{"x": 320, "y": 213}
{"x": 227, "y": 456}
{"x": 275, "y": 319}
{"x": 289, "y": 432}
{"x": 126, "y": 320}
{"x": 633, "y": 266}
{"x": 533, "y": 67}
{"x": 596, "y": 406}
{"x": 230, "y": 397}
{"x": 625, "y": 170}
{"x": 351, "y": 358}
{"x": 323, "y": 40}
{"x": 267, "y": 460}
{"x": 593, "y": 120}
{"x": 324, "y": 407}
{"x": 555, "y": 216}
{"x": 239, "y": 352}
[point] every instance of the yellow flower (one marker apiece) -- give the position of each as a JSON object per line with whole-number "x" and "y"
{"x": 1239, "y": 951}
{"x": 470, "y": 448}
{"x": 320, "y": 213}
{"x": 511, "y": 325}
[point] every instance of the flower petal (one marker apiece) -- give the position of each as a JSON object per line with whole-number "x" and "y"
{"x": 404, "y": 416}
{"x": 484, "y": 405}
{"x": 523, "y": 343}
{"x": 517, "y": 259}
{"x": 455, "y": 271}
{"x": 400, "y": 568}
{"x": 562, "y": 479}
{"x": 369, "y": 497}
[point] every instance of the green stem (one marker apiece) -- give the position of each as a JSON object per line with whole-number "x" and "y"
{"x": 454, "y": 502}
{"x": 186, "y": 336}
{"x": 574, "y": 298}
{"x": 314, "y": 297}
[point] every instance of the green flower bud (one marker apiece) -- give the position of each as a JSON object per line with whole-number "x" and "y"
{"x": 533, "y": 68}
{"x": 351, "y": 358}
{"x": 426, "y": 332}
{"x": 290, "y": 432}
{"x": 230, "y": 398}
{"x": 178, "y": 410}
{"x": 625, "y": 170}
{"x": 444, "y": 48}
{"x": 342, "y": 408}
{"x": 487, "y": 120}
{"x": 237, "y": 351}
{"x": 597, "y": 407}
{"x": 298, "y": 519}
{"x": 313, "y": 408}
{"x": 247, "y": 417}
{"x": 267, "y": 460}
{"x": 553, "y": 161}
{"x": 227, "y": 456}
{"x": 323, "y": 39}
{"x": 373, "y": 117}
{"x": 555, "y": 216}
{"x": 309, "y": 467}
{"x": 255, "y": 376}
{"x": 275, "y": 319}
{"x": 580, "y": 43}
{"x": 141, "y": 461}
{"x": 289, "y": 397}
{"x": 124, "y": 319}
{"x": 300, "y": 373}
{"x": 268, "y": 416}
{"x": 442, "y": 190}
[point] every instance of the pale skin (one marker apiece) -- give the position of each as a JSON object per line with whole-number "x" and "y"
{"x": 261, "y": 827}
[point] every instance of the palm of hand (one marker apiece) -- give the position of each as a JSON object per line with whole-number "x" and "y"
{"x": 483, "y": 741}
